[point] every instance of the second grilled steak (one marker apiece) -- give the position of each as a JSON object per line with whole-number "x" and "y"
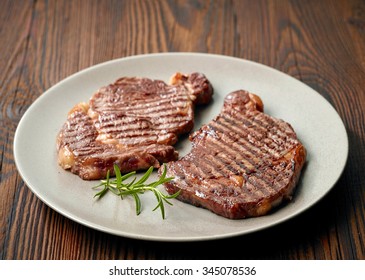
{"x": 242, "y": 164}
{"x": 132, "y": 123}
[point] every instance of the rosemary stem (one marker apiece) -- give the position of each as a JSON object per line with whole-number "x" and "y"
{"x": 119, "y": 187}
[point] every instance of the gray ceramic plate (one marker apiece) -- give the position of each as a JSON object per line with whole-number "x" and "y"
{"x": 316, "y": 122}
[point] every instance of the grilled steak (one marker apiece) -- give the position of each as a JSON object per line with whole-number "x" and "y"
{"x": 132, "y": 123}
{"x": 242, "y": 163}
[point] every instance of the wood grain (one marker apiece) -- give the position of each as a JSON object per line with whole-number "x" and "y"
{"x": 321, "y": 43}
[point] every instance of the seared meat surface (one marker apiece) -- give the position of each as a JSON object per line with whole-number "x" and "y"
{"x": 242, "y": 164}
{"x": 133, "y": 123}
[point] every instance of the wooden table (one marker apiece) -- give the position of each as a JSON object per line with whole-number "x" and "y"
{"x": 321, "y": 43}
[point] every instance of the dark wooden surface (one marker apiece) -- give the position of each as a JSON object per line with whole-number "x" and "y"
{"x": 321, "y": 43}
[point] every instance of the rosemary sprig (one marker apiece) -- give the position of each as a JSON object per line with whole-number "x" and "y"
{"x": 120, "y": 187}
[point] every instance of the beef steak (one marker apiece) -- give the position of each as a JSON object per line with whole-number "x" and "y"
{"x": 132, "y": 123}
{"x": 242, "y": 163}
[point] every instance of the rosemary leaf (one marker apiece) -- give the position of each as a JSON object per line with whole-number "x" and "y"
{"x": 118, "y": 175}
{"x": 120, "y": 187}
{"x": 145, "y": 176}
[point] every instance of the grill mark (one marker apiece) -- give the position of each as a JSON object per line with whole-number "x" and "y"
{"x": 211, "y": 166}
{"x": 139, "y": 133}
{"x": 120, "y": 123}
{"x": 83, "y": 124}
{"x": 243, "y": 188}
{"x": 277, "y": 127}
{"x": 264, "y": 120}
{"x": 204, "y": 164}
{"x": 71, "y": 136}
{"x": 281, "y": 142}
{"x": 218, "y": 167}
{"x": 235, "y": 157}
{"x": 163, "y": 113}
{"x": 146, "y": 86}
{"x": 226, "y": 157}
{"x": 198, "y": 174}
{"x": 269, "y": 178}
{"x": 146, "y": 109}
{"x": 160, "y": 113}
{"x": 174, "y": 105}
{"x": 280, "y": 181}
{"x": 95, "y": 153}
{"x": 249, "y": 147}
{"x": 189, "y": 178}
{"x": 127, "y": 89}
{"x": 171, "y": 125}
{"x": 172, "y": 118}
{"x": 269, "y": 125}
{"x": 258, "y": 133}
{"x": 210, "y": 160}
{"x": 264, "y": 149}
{"x": 261, "y": 185}
{"x": 88, "y": 150}
{"x": 241, "y": 149}
{"x": 207, "y": 166}
{"x": 237, "y": 170}
{"x": 249, "y": 158}
{"x": 264, "y": 186}
{"x": 103, "y": 149}
{"x": 127, "y": 130}
{"x": 78, "y": 133}
{"x": 103, "y": 103}
{"x": 79, "y": 143}
{"x": 133, "y": 141}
